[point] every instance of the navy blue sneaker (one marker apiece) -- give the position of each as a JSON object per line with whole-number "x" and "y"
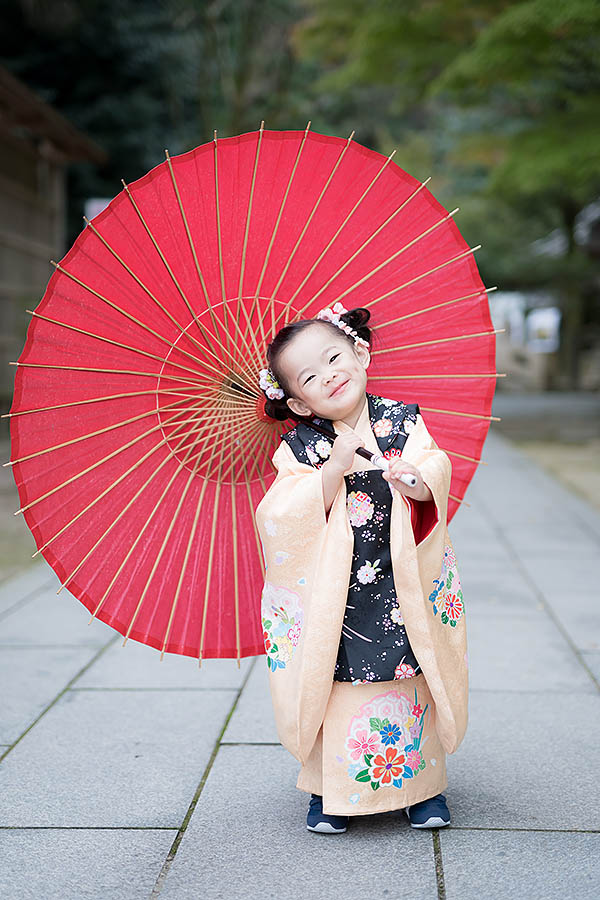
{"x": 430, "y": 813}
{"x": 317, "y": 820}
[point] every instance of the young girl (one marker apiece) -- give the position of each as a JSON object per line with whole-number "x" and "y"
{"x": 362, "y": 606}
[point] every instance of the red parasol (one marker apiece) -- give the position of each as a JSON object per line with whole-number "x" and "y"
{"x": 139, "y": 444}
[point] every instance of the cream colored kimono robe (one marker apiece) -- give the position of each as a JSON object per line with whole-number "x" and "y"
{"x": 364, "y": 747}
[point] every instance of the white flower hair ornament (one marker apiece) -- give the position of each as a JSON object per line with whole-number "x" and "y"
{"x": 333, "y": 316}
{"x": 270, "y": 385}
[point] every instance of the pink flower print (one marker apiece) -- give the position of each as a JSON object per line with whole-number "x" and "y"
{"x": 453, "y": 606}
{"x": 294, "y": 634}
{"x": 403, "y": 671}
{"x": 312, "y": 456}
{"x": 360, "y": 508}
{"x": 368, "y": 573}
{"x": 323, "y": 448}
{"x": 413, "y": 759}
{"x": 362, "y": 744}
{"x": 396, "y": 616}
{"x": 416, "y": 710}
{"x": 449, "y": 558}
{"x": 414, "y": 730}
{"x": 383, "y": 427}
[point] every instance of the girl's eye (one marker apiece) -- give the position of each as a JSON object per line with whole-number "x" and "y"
{"x": 335, "y": 356}
{"x": 308, "y": 379}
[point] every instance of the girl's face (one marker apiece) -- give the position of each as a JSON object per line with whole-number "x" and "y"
{"x": 326, "y": 374}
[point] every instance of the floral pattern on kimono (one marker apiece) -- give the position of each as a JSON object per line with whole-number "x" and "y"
{"x": 282, "y": 619}
{"x": 391, "y": 421}
{"x": 384, "y": 741}
{"x": 447, "y": 595}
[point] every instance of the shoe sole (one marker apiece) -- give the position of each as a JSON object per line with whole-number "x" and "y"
{"x": 325, "y": 828}
{"x": 432, "y": 822}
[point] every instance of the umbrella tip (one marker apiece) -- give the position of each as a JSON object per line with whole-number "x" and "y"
{"x": 167, "y": 153}
{"x": 215, "y": 135}
{"x": 9, "y": 463}
{"x": 262, "y": 125}
{"x": 494, "y": 288}
{"x": 308, "y": 124}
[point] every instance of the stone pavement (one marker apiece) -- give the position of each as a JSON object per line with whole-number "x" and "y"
{"x": 125, "y": 777}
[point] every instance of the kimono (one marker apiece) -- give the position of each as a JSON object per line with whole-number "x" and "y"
{"x": 365, "y": 745}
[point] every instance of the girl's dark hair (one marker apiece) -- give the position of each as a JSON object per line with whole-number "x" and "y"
{"x": 357, "y": 320}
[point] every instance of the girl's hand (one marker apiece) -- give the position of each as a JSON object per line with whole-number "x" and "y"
{"x": 342, "y": 453}
{"x": 399, "y": 467}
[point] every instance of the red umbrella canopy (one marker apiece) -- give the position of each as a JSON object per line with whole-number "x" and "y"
{"x": 139, "y": 444}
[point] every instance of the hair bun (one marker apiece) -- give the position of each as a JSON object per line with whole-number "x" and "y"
{"x": 277, "y": 409}
{"x": 357, "y": 320}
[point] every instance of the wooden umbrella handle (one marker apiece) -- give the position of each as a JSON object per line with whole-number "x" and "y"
{"x": 376, "y": 458}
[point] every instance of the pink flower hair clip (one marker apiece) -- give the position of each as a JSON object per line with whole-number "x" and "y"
{"x": 270, "y": 385}
{"x": 333, "y": 316}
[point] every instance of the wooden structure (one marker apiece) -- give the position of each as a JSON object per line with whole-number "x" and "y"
{"x": 36, "y": 145}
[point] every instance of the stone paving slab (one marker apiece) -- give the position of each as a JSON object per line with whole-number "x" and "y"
{"x": 138, "y": 666}
{"x": 77, "y": 864}
{"x": 113, "y": 758}
{"x": 528, "y": 761}
{"x": 253, "y": 720}
{"x": 53, "y": 619}
{"x": 511, "y": 865}
{"x": 19, "y": 588}
{"x": 522, "y": 652}
{"x": 42, "y": 674}
{"x": 251, "y": 807}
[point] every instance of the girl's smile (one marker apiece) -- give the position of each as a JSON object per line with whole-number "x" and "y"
{"x": 326, "y": 374}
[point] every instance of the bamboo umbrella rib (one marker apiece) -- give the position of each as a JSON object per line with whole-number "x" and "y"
{"x": 209, "y": 566}
{"x": 99, "y": 462}
{"x": 218, "y": 213}
{"x": 125, "y": 509}
{"x": 159, "y": 251}
{"x": 395, "y": 255}
{"x": 226, "y": 436}
{"x": 251, "y": 437}
{"x": 114, "y": 343}
{"x": 337, "y": 233}
{"x": 197, "y": 264}
{"x": 22, "y": 412}
{"x": 97, "y": 499}
{"x": 310, "y": 218}
{"x": 267, "y": 438}
{"x": 236, "y": 590}
{"x": 162, "y": 376}
{"x": 275, "y": 229}
{"x": 249, "y": 211}
{"x": 91, "y": 434}
{"x": 184, "y": 566}
{"x": 458, "y": 500}
{"x": 147, "y": 290}
{"x": 181, "y": 292}
{"x": 454, "y": 412}
{"x": 440, "y": 375}
{"x": 480, "y": 462}
{"x": 420, "y": 312}
{"x": 406, "y": 284}
{"x": 159, "y": 555}
{"x": 253, "y": 520}
{"x": 141, "y": 533}
{"x": 189, "y": 237}
{"x": 447, "y": 340}
{"x": 123, "y": 312}
{"x": 204, "y": 350}
{"x": 364, "y": 244}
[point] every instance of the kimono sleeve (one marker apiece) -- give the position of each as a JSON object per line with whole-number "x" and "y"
{"x": 436, "y": 469}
